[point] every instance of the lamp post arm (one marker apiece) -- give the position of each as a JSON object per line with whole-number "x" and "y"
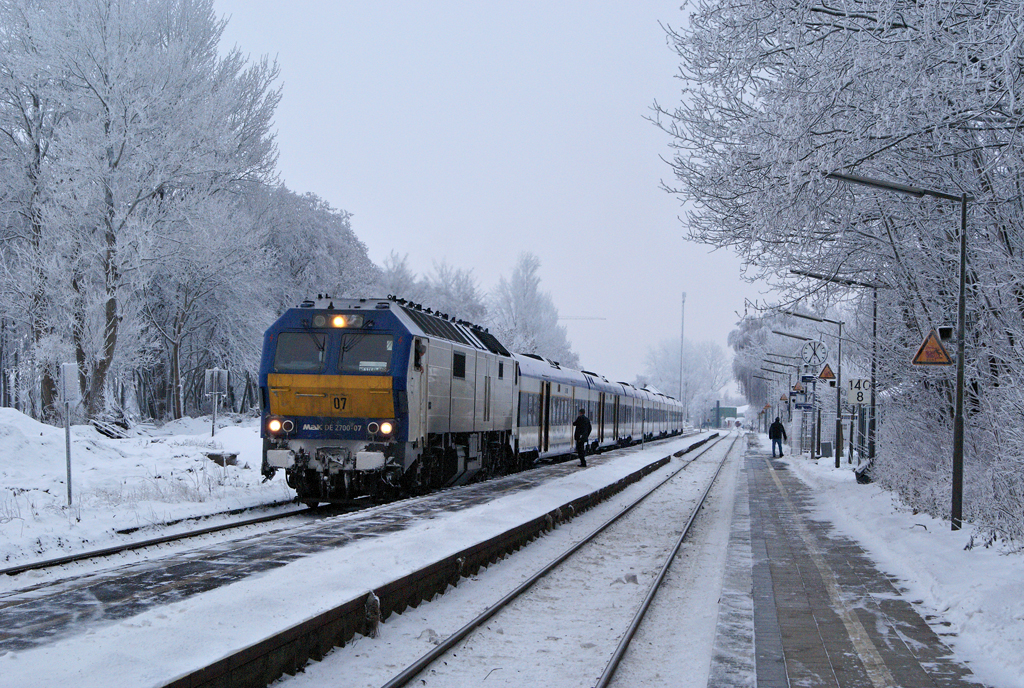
{"x": 794, "y": 336}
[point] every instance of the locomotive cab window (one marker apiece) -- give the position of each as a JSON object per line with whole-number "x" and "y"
{"x": 459, "y": 365}
{"x": 366, "y": 353}
{"x": 299, "y": 352}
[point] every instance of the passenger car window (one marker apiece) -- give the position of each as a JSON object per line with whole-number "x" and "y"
{"x": 366, "y": 353}
{"x": 299, "y": 352}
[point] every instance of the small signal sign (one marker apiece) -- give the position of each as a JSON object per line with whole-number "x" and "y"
{"x": 826, "y": 373}
{"x": 932, "y": 352}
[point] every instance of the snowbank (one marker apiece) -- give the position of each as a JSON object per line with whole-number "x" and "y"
{"x": 160, "y": 475}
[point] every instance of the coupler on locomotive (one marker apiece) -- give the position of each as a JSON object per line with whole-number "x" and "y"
{"x": 338, "y": 473}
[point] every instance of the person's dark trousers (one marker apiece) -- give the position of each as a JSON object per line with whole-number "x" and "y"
{"x": 778, "y": 442}
{"x": 581, "y": 451}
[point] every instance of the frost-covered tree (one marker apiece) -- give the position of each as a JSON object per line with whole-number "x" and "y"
{"x": 397, "y": 279}
{"x": 705, "y": 371}
{"x": 152, "y": 121}
{"x": 311, "y": 247}
{"x": 30, "y": 112}
{"x": 205, "y": 308}
{"x": 143, "y": 234}
{"x": 525, "y": 318}
{"x": 454, "y": 291}
{"x": 777, "y": 94}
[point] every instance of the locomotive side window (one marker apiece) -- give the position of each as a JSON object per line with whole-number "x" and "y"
{"x": 459, "y": 365}
{"x": 366, "y": 353}
{"x": 299, "y": 352}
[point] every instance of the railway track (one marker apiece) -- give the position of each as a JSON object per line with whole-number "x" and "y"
{"x": 153, "y": 542}
{"x": 445, "y": 664}
{"x": 289, "y": 650}
{"x": 64, "y": 604}
{"x": 300, "y": 512}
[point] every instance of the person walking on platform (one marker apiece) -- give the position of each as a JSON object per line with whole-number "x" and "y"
{"x": 776, "y": 433}
{"x": 581, "y": 433}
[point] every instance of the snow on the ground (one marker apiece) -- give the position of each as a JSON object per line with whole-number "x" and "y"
{"x": 201, "y": 629}
{"x": 157, "y": 476}
{"x": 162, "y": 474}
{"x": 979, "y": 591}
{"x": 562, "y": 631}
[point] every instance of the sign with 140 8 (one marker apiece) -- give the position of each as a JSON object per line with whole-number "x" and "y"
{"x": 858, "y": 391}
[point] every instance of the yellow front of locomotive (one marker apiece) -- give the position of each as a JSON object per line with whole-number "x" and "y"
{"x": 332, "y": 380}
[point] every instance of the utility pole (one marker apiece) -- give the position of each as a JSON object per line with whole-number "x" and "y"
{"x": 682, "y": 356}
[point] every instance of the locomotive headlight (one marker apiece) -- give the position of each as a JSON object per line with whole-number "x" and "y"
{"x": 274, "y": 425}
{"x": 350, "y": 320}
{"x": 386, "y": 428}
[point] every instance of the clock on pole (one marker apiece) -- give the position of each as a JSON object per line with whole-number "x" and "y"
{"x": 814, "y": 353}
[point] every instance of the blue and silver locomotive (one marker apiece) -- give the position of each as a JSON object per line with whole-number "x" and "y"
{"x": 379, "y": 397}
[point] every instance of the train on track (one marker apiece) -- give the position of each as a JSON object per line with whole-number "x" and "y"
{"x": 381, "y": 397}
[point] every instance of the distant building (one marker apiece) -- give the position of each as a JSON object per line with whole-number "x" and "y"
{"x": 724, "y": 416}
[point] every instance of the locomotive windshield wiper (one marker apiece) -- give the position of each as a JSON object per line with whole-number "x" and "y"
{"x": 320, "y": 343}
{"x": 350, "y": 341}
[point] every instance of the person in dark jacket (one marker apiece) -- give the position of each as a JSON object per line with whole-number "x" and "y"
{"x": 581, "y": 432}
{"x": 776, "y": 433}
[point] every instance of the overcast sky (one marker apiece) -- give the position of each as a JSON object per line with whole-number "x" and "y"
{"x": 474, "y": 131}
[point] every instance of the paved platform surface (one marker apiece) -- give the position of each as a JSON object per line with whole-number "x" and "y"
{"x": 804, "y": 606}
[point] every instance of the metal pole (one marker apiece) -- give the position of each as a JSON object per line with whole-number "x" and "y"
{"x": 817, "y": 435}
{"x": 67, "y": 441}
{"x": 958, "y": 417}
{"x": 849, "y": 453}
{"x": 874, "y": 358}
{"x": 682, "y": 355}
{"x": 839, "y": 398}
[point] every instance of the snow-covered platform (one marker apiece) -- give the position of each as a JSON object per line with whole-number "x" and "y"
{"x": 802, "y": 605}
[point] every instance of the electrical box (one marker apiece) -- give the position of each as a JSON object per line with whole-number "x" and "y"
{"x": 216, "y": 381}
{"x": 69, "y": 390}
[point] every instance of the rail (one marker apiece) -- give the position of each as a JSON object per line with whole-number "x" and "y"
{"x": 413, "y": 670}
{"x": 288, "y": 651}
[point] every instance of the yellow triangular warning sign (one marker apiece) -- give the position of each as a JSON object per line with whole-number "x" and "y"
{"x": 826, "y": 373}
{"x": 932, "y": 352}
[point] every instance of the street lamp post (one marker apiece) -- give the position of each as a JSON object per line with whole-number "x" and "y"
{"x": 874, "y": 339}
{"x": 958, "y": 412}
{"x": 774, "y": 371}
{"x": 789, "y": 385}
{"x": 772, "y": 382}
{"x": 839, "y": 379}
{"x": 815, "y": 421}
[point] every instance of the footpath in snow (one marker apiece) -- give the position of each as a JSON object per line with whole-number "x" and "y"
{"x": 978, "y": 591}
